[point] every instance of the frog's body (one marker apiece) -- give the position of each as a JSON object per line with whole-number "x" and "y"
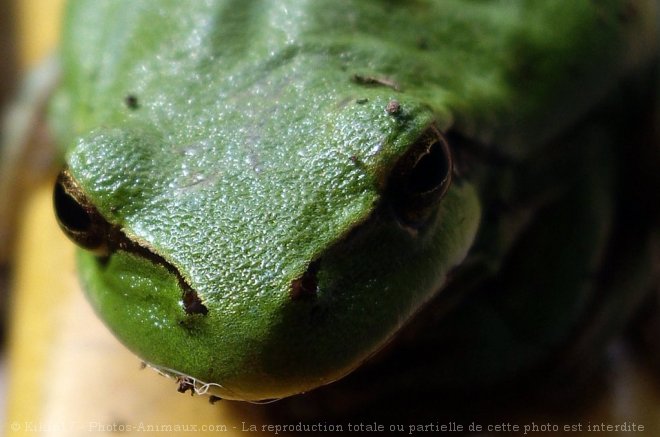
{"x": 237, "y": 166}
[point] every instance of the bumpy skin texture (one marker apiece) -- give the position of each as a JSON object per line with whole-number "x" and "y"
{"x": 259, "y": 143}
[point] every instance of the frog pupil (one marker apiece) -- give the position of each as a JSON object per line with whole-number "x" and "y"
{"x": 430, "y": 171}
{"x": 78, "y": 218}
{"x": 70, "y": 213}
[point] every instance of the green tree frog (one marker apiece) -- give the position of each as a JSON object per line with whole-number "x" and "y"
{"x": 270, "y": 193}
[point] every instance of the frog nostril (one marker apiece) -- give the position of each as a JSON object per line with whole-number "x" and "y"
{"x": 307, "y": 284}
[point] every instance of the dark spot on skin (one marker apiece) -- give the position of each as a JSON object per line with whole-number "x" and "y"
{"x": 192, "y": 304}
{"x": 307, "y": 284}
{"x": 185, "y": 383}
{"x": 376, "y": 81}
{"x": 361, "y": 101}
{"x": 423, "y": 43}
{"x": 131, "y": 101}
{"x": 213, "y": 399}
{"x": 143, "y": 365}
{"x": 103, "y": 261}
{"x": 393, "y": 107}
{"x": 358, "y": 162}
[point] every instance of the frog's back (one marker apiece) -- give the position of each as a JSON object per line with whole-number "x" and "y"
{"x": 492, "y": 70}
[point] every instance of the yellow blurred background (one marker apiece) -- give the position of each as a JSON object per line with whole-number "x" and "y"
{"x": 21, "y": 46}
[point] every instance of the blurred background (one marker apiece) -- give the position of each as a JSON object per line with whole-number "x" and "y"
{"x": 8, "y": 78}
{"x": 8, "y": 51}
{"x": 28, "y": 33}
{"x": 68, "y": 376}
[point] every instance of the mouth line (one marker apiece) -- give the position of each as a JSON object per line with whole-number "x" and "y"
{"x": 84, "y": 224}
{"x": 192, "y": 303}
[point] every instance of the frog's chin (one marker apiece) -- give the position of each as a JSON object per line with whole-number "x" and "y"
{"x": 213, "y": 391}
{"x": 188, "y": 383}
{"x": 282, "y": 346}
{"x": 141, "y": 303}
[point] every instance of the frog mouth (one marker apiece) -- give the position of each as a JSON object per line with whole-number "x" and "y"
{"x": 83, "y": 224}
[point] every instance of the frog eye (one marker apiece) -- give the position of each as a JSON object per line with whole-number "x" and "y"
{"x": 78, "y": 218}
{"x": 420, "y": 179}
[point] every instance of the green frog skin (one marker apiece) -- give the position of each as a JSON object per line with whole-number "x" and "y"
{"x": 267, "y": 193}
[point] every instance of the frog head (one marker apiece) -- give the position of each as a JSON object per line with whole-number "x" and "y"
{"x": 265, "y": 192}
{"x": 271, "y": 252}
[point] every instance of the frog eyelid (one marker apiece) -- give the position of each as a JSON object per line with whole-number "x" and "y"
{"x": 78, "y": 217}
{"x": 421, "y": 178}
